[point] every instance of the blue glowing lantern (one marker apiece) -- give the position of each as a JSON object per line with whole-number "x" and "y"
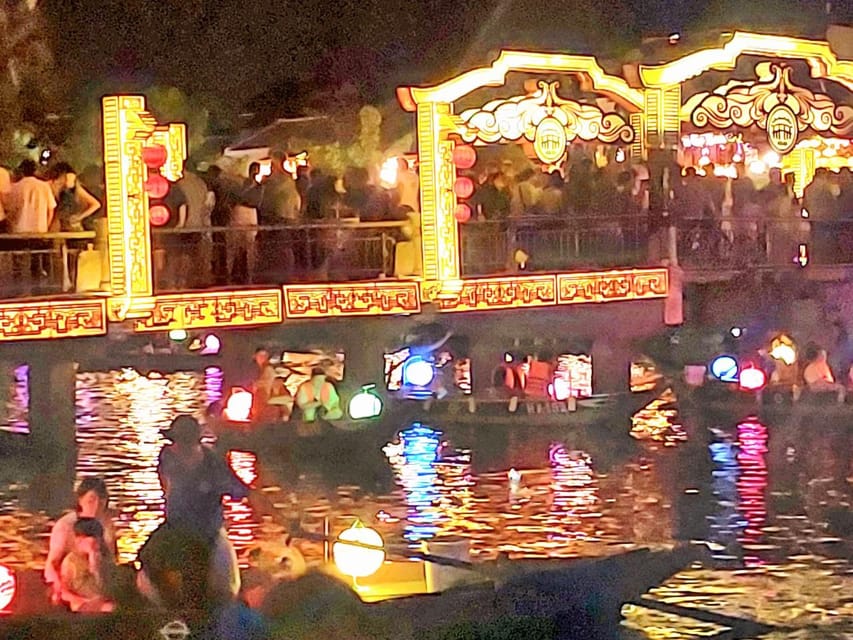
{"x": 725, "y": 369}
{"x": 365, "y": 404}
{"x": 417, "y": 372}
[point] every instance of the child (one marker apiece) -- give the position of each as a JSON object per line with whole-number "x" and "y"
{"x": 86, "y": 572}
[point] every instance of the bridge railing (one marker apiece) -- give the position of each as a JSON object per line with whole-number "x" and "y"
{"x": 200, "y": 258}
{"x": 34, "y": 264}
{"x": 552, "y": 243}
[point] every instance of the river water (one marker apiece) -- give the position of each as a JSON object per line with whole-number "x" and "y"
{"x": 774, "y": 499}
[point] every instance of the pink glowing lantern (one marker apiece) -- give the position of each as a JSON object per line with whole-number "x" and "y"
{"x": 159, "y": 215}
{"x": 8, "y": 586}
{"x": 212, "y": 344}
{"x": 462, "y": 213}
{"x": 752, "y": 379}
{"x": 238, "y": 408}
{"x": 154, "y": 156}
{"x": 156, "y": 186}
{"x": 464, "y": 156}
{"x": 463, "y": 187}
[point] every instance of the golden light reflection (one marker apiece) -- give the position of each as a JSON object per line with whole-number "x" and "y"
{"x": 658, "y": 421}
{"x": 120, "y": 415}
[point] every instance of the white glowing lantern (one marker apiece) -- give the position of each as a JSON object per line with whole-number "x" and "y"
{"x": 8, "y": 586}
{"x": 238, "y": 408}
{"x": 418, "y": 372}
{"x": 359, "y": 561}
{"x": 752, "y": 379}
{"x": 365, "y": 404}
{"x": 178, "y": 335}
{"x": 388, "y": 173}
{"x": 785, "y": 353}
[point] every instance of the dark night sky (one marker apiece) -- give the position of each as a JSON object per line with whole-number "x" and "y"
{"x": 236, "y": 49}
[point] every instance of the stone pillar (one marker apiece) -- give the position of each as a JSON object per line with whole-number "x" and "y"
{"x": 53, "y": 446}
{"x": 611, "y": 366}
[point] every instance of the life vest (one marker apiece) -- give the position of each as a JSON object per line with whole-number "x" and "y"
{"x": 540, "y": 376}
{"x": 308, "y": 393}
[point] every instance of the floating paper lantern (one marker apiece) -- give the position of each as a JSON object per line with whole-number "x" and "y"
{"x": 752, "y": 379}
{"x": 212, "y": 345}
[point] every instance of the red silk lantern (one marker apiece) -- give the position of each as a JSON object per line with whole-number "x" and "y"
{"x": 159, "y": 215}
{"x": 154, "y": 156}
{"x": 462, "y": 213}
{"x": 464, "y": 156}
{"x": 156, "y": 186}
{"x": 463, "y": 187}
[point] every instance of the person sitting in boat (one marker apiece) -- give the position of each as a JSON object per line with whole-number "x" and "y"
{"x": 263, "y": 383}
{"x": 86, "y": 574}
{"x": 175, "y": 567}
{"x": 280, "y": 403}
{"x": 318, "y": 396}
{"x": 195, "y": 480}
{"x": 92, "y": 502}
{"x": 817, "y": 374}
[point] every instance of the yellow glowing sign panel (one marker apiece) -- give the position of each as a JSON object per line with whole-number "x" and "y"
{"x": 818, "y": 55}
{"x": 381, "y": 298}
{"x": 612, "y": 286}
{"x": 499, "y": 293}
{"x": 524, "y": 61}
{"x": 213, "y": 309}
{"x": 57, "y": 319}
{"x": 128, "y": 127}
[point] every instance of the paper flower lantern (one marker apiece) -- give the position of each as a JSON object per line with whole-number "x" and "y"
{"x": 365, "y": 404}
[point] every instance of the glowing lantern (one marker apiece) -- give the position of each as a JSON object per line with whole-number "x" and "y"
{"x": 417, "y": 372}
{"x": 154, "y": 156}
{"x": 463, "y": 187}
{"x": 156, "y": 186}
{"x": 356, "y": 561}
{"x": 462, "y": 213}
{"x": 159, "y": 215}
{"x": 782, "y": 348}
{"x": 178, "y": 335}
{"x": 724, "y": 368}
{"x": 365, "y": 404}
{"x": 464, "y": 156}
{"x": 8, "y": 586}
{"x": 752, "y": 379}
{"x": 239, "y": 405}
{"x": 212, "y": 344}
{"x": 560, "y": 389}
{"x": 388, "y": 173}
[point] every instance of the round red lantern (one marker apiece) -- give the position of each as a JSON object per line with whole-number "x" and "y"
{"x": 462, "y": 213}
{"x": 463, "y": 187}
{"x": 159, "y": 215}
{"x": 464, "y": 156}
{"x": 8, "y": 586}
{"x": 156, "y": 186}
{"x": 154, "y": 156}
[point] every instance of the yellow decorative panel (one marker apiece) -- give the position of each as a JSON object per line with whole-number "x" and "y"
{"x": 173, "y": 138}
{"x": 499, "y": 293}
{"x": 381, "y": 298}
{"x": 56, "y": 319}
{"x": 594, "y": 79}
{"x": 213, "y": 309}
{"x": 820, "y": 58}
{"x": 612, "y": 286}
{"x": 128, "y": 128}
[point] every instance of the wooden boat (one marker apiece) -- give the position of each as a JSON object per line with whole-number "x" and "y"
{"x": 568, "y": 598}
{"x": 773, "y": 403}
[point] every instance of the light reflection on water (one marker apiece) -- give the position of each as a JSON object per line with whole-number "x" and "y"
{"x": 758, "y": 491}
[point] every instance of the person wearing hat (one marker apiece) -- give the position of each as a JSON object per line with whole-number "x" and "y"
{"x": 195, "y": 480}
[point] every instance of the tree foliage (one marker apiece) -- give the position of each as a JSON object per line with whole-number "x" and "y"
{"x": 29, "y": 85}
